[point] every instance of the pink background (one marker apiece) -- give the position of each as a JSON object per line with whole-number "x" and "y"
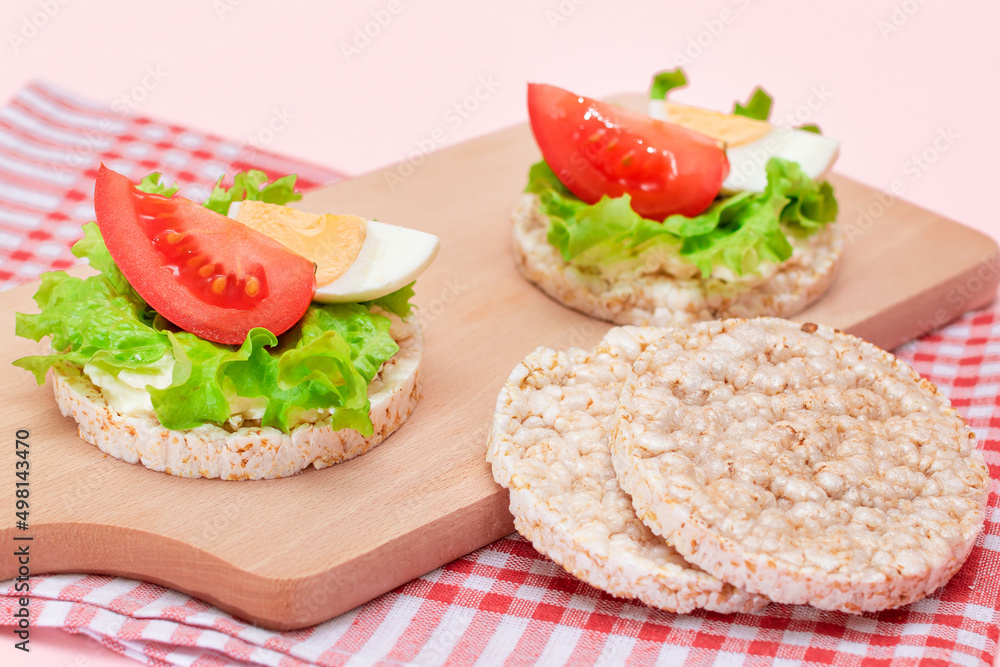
{"x": 300, "y": 78}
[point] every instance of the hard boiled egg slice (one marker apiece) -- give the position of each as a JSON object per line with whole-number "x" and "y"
{"x": 356, "y": 259}
{"x": 751, "y": 143}
{"x": 391, "y": 258}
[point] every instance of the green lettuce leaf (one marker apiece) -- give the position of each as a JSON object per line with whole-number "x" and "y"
{"x": 154, "y": 185}
{"x": 739, "y": 231}
{"x": 397, "y": 302}
{"x": 666, "y": 81}
{"x": 251, "y": 185}
{"x": 757, "y": 107}
{"x": 325, "y": 362}
{"x": 91, "y": 247}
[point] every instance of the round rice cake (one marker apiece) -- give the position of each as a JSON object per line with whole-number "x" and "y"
{"x": 799, "y": 462}
{"x": 249, "y": 451}
{"x": 548, "y": 445}
{"x": 652, "y": 294}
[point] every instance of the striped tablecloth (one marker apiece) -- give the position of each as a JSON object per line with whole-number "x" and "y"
{"x": 504, "y": 603}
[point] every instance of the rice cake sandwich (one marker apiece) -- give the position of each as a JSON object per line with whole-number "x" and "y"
{"x": 246, "y": 348}
{"x": 549, "y": 445}
{"x": 682, "y": 216}
{"x": 799, "y": 462}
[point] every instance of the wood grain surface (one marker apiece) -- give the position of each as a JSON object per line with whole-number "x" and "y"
{"x": 293, "y": 552}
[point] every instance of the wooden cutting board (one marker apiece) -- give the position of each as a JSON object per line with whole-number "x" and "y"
{"x": 293, "y": 552}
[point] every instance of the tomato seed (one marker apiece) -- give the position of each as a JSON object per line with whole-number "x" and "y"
{"x": 206, "y": 270}
{"x": 252, "y": 287}
{"x": 219, "y": 284}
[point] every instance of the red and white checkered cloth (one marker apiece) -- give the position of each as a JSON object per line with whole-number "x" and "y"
{"x": 504, "y": 603}
{"x": 51, "y": 145}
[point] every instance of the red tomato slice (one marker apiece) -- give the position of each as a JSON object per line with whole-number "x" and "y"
{"x": 599, "y": 149}
{"x": 204, "y": 272}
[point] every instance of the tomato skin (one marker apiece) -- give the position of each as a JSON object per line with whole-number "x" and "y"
{"x": 202, "y": 271}
{"x": 598, "y": 149}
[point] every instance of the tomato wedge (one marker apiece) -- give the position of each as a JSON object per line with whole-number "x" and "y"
{"x": 202, "y": 271}
{"x": 598, "y": 149}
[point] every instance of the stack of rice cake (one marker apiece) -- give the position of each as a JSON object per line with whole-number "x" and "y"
{"x": 736, "y": 462}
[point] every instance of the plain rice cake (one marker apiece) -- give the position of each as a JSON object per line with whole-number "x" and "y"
{"x": 799, "y": 462}
{"x": 548, "y": 445}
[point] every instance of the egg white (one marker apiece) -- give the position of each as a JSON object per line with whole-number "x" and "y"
{"x": 390, "y": 258}
{"x": 814, "y": 153}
